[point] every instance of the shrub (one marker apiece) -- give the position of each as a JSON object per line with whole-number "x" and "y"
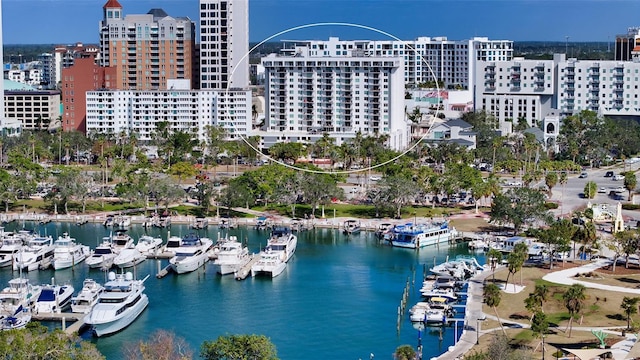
{"x": 630, "y": 206}
{"x": 551, "y": 205}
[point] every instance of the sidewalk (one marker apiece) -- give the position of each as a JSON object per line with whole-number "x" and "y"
{"x": 566, "y": 277}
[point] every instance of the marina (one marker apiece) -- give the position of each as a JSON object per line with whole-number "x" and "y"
{"x": 359, "y": 276}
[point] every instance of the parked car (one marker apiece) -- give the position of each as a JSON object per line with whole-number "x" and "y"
{"x": 618, "y": 177}
{"x": 608, "y": 174}
{"x": 602, "y": 190}
{"x": 583, "y": 175}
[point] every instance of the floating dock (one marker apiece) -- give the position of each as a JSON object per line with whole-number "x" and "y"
{"x": 164, "y": 272}
{"x": 246, "y": 270}
{"x": 77, "y": 320}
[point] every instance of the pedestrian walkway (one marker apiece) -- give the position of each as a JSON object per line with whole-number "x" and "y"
{"x": 567, "y": 277}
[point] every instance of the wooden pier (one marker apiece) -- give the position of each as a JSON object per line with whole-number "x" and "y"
{"x": 246, "y": 270}
{"x": 164, "y": 272}
{"x": 78, "y": 320}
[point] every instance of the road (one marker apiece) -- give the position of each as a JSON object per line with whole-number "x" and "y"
{"x": 570, "y": 196}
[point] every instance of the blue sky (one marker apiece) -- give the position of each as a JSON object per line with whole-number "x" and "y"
{"x": 68, "y": 21}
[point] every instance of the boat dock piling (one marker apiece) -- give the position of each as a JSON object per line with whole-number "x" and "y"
{"x": 403, "y": 303}
{"x": 163, "y": 272}
{"x": 246, "y": 270}
{"x": 75, "y": 327}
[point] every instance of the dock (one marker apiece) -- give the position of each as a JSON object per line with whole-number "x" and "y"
{"x": 77, "y": 320}
{"x": 164, "y": 272}
{"x": 246, "y": 270}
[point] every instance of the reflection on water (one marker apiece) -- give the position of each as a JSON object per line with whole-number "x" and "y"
{"x": 337, "y": 298}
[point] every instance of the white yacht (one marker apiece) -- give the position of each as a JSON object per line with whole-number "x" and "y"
{"x": 148, "y": 244}
{"x": 172, "y": 244}
{"x": 128, "y": 258}
{"x": 18, "y": 320}
{"x": 191, "y": 254}
{"x": 37, "y": 254}
{"x": 87, "y": 297}
{"x": 53, "y": 298}
{"x": 415, "y": 236}
{"x": 280, "y": 248}
{"x": 351, "y": 227}
{"x": 122, "y": 222}
{"x": 121, "y": 240}
{"x": 121, "y": 302}
{"x": 11, "y": 244}
{"x": 232, "y": 256}
{"x": 68, "y": 253}
{"x": 19, "y": 293}
{"x": 103, "y": 255}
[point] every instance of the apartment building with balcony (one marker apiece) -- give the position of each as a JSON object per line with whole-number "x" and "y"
{"x": 309, "y": 93}
{"x": 33, "y": 109}
{"x": 139, "y": 111}
{"x": 146, "y": 49}
{"x": 224, "y": 44}
{"x": 426, "y": 59}
{"x": 516, "y": 89}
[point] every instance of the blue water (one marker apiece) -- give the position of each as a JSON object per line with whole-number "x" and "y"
{"x": 337, "y": 298}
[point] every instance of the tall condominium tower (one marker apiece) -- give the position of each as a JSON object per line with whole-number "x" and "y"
{"x": 224, "y": 41}
{"x": 146, "y": 49}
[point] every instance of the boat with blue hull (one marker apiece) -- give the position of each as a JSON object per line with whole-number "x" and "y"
{"x": 415, "y": 236}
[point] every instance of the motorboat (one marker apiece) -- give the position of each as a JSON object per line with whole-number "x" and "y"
{"x": 191, "y": 254}
{"x": 200, "y": 223}
{"x": 478, "y": 244}
{"x": 280, "y": 248}
{"x": 128, "y": 258}
{"x": 262, "y": 223}
{"x": 121, "y": 240}
{"x": 163, "y": 221}
{"x": 122, "y": 222}
{"x": 232, "y": 256}
{"x": 461, "y": 268}
{"x": 227, "y": 223}
{"x": 18, "y": 320}
{"x": 148, "y": 244}
{"x": 53, "y": 298}
{"x": 298, "y": 225}
{"x": 87, "y": 297}
{"x": 103, "y": 255}
{"x": 121, "y": 302}
{"x": 448, "y": 294}
{"x": 37, "y": 254}
{"x": 11, "y": 244}
{"x": 415, "y": 236}
{"x": 351, "y": 227}
{"x": 19, "y": 293}
{"x": 383, "y": 230}
{"x": 108, "y": 222}
{"x": 68, "y": 253}
{"x": 173, "y": 242}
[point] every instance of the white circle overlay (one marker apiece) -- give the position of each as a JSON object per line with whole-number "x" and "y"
{"x": 359, "y": 26}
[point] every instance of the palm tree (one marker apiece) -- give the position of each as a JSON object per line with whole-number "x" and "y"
{"x": 494, "y": 256}
{"x": 574, "y": 299}
{"x": 562, "y": 180}
{"x": 492, "y": 296}
{"x": 629, "y": 306}
{"x": 551, "y": 179}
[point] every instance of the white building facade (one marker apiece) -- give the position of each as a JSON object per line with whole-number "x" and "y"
{"x": 308, "y": 95}
{"x": 190, "y": 111}
{"x": 426, "y": 59}
{"x": 224, "y": 42}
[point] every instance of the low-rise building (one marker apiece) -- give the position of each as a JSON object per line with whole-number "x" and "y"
{"x": 33, "y": 109}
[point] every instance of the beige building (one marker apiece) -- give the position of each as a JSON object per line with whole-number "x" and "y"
{"x": 34, "y": 109}
{"x": 147, "y": 49}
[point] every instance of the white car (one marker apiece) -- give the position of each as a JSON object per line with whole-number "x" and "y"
{"x": 375, "y": 178}
{"x": 618, "y": 177}
{"x": 619, "y": 189}
{"x": 602, "y": 190}
{"x": 514, "y": 183}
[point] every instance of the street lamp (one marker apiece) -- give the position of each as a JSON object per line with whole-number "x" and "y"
{"x": 542, "y": 346}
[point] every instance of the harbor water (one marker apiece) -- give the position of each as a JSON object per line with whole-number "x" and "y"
{"x": 338, "y": 298}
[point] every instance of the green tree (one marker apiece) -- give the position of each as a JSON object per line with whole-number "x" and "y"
{"x": 405, "y": 352}
{"x": 539, "y": 324}
{"x": 398, "y": 191}
{"x": 36, "y": 342}
{"x": 161, "y": 345}
{"x": 494, "y": 256}
{"x": 239, "y": 347}
{"x": 590, "y": 189}
{"x": 536, "y": 299}
{"x": 630, "y": 182}
{"x": 519, "y": 206}
{"x": 516, "y": 259}
{"x": 574, "y": 299}
{"x": 551, "y": 179}
{"x": 289, "y": 152}
{"x": 183, "y": 170}
{"x": 630, "y": 307}
{"x": 492, "y": 296}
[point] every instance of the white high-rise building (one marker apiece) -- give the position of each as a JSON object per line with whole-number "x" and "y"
{"x": 190, "y": 111}
{"x": 310, "y": 93}
{"x": 224, "y": 41}
{"x": 426, "y": 59}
